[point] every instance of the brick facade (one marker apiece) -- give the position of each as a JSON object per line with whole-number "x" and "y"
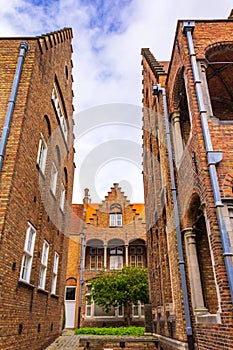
{"x": 102, "y": 237}
{"x": 31, "y": 317}
{"x": 208, "y": 288}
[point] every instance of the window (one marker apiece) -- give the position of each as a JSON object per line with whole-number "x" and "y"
{"x": 116, "y": 258}
{"x": 88, "y": 300}
{"x": 96, "y": 258}
{"x": 115, "y": 220}
{"x": 44, "y": 262}
{"x": 53, "y": 183}
{"x": 136, "y": 256}
{"x": 42, "y": 154}
{"x": 70, "y": 293}
{"x": 62, "y": 198}
{"x": 138, "y": 310}
{"x": 28, "y": 253}
{"x": 55, "y": 272}
{"x": 59, "y": 110}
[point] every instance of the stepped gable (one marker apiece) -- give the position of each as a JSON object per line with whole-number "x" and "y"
{"x": 158, "y": 68}
{"x": 53, "y": 39}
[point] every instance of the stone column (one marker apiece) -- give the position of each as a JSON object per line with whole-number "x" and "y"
{"x": 105, "y": 256}
{"x": 126, "y": 255}
{"x": 177, "y": 137}
{"x": 194, "y": 272}
{"x": 202, "y": 66}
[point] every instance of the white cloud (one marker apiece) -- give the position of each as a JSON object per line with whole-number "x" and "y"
{"x": 107, "y": 43}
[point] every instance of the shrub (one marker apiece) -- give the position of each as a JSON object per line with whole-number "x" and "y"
{"x": 119, "y": 331}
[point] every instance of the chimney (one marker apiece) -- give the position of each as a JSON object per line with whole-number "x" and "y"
{"x": 86, "y": 199}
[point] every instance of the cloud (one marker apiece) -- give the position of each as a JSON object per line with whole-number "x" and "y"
{"x": 108, "y": 37}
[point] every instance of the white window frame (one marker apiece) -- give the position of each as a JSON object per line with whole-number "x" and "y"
{"x": 55, "y": 273}
{"x": 44, "y": 264}
{"x": 140, "y": 310}
{"x": 59, "y": 110}
{"x": 29, "y": 245}
{"x": 62, "y": 198}
{"x": 42, "y": 154}
{"x": 115, "y": 219}
{"x": 53, "y": 183}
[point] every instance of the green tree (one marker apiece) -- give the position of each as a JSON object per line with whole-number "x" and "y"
{"x": 121, "y": 287}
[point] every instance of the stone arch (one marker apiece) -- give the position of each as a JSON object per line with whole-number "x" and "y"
{"x": 219, "y": 58}
{"x": 198, "y": 258}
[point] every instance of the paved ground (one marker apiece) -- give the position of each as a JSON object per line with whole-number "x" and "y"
{"x": 67, "y": 341}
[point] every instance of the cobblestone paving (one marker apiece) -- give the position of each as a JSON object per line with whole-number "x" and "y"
{"x": 67, "y": 341}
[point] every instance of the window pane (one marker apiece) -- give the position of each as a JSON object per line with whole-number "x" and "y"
{"x": 70, "y": 293}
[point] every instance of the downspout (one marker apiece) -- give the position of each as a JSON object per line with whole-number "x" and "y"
{"x": 213, "y": 157}
{"x": 156, "y": 89}
{"x": 11, "y": 103}
{"x": 83, "y": 237}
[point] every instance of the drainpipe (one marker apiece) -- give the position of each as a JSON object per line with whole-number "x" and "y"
{"x": 156, "y": 90}
{"x": 83, "y": 237}
{"x": 213, "y": 157}
{"x": 11, "y": 103}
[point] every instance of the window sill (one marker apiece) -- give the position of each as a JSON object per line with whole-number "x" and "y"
{"x": 55, "y": 296}
{"x": 40, "y": 171}
{"x": 26, "y": 284}
{"x": 43, "y": 291}
{"x": 53, "y": 195}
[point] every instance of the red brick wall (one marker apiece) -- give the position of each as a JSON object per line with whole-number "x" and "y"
{"x": 21, "y": 192}
{"x": 192, "y": 182}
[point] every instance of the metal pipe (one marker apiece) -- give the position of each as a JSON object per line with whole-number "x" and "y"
{"x": 11, "y": 103}
{"x": 83, "y": 237}
{"x": 213, "y": 157}
{"x": 177, "y": 222}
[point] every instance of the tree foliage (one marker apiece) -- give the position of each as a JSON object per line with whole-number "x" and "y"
{"x": 121, "y": 287}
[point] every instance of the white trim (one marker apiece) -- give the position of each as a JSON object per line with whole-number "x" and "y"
{"x": 44, "y": 263}
{"x": 26, "y": 265}
{"x": 53, "y": 182}
{"x": 55, "y": 273}
{"x": 42, "y": 153}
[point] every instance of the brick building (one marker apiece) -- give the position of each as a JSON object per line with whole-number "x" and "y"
{"x": 36, "y": 156}
{"x": 188, "y": 181}
{"x": 115, "y": 236}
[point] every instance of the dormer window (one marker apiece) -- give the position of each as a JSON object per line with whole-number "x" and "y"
{"x": 115, "y": 220}
{"x": 115, "y": 216}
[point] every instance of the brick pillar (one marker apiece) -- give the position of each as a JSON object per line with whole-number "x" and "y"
{"x": 148, "y": 319}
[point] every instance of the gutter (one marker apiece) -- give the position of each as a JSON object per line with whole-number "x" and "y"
{"x": 156, "y": 90}
{"x": 213, "y": 157}
{"x": 11, "y": 103}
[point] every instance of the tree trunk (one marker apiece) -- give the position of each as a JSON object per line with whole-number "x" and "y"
{"x": 128, "y": 314}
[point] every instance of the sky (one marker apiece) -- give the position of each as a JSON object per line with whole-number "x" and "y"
{"x": 108, "y": 37}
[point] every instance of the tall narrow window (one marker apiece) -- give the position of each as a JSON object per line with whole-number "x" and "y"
{"x": 53, "y": 183}
{"x": 96, "y": 258}
{"x": 62, "y": 198}
{"x": 44, "y": 263}
{"x": 116, "y": 258}
{"x": 115, "y": 220}
{"x": 136, "y": 256}
{"x": 55, "y": 272}
{"x": 42, "y": 154}
{"x": 28, "y": 253}
{"x": 57, "y": 101}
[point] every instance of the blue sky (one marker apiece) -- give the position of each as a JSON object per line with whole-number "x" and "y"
{"x": 108, "y": 37}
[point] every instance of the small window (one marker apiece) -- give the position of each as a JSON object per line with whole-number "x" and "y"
{"x": 115, "y": 220}
{"x": 70, "y": 293}
{"x": 28, "y": 253}
{"x": 44, "y": 263}
{"x": 42, "y": 154}
{"x": 53, "y": 183}
{"x": 55, "y": 273}
{"x": 62, "y": 198}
